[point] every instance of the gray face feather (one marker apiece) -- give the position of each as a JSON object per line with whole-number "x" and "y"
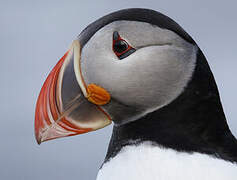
{"x": 145, "y": 81}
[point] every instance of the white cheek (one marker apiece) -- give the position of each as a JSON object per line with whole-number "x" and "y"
{"x": 155, "y": 76}
{"x": 96, "y": 55}
{"x": 150, "y": 78}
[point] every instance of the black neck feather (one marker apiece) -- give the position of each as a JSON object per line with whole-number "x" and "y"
{"x": 194, "y": 122}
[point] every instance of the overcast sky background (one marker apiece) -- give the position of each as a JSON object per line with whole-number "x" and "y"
{"x": 35, "y": 34}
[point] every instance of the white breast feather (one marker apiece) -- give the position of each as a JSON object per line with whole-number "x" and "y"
{"x": 148, "y": 162}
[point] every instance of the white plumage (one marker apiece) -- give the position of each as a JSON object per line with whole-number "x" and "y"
{"x": 149, "y": 162}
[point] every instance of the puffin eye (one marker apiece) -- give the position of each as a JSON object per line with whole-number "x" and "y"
{"x": 120, "y": 47}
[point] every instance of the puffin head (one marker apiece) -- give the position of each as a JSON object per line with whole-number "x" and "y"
{"x": 120, "y": 68}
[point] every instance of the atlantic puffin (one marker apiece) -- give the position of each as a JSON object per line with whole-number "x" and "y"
{"x": 140, "y": 70}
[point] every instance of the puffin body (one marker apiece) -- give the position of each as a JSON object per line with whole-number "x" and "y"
{"x": 140, "y": 70}
{"x": 149, "y": 161}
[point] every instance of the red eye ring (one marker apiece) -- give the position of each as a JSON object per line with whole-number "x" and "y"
{"x": 120, "y": 46}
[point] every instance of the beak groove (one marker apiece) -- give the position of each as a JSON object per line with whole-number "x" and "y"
{"x": 52, "y": 120}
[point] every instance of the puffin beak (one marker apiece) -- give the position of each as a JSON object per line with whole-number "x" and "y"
{"x": 66, "y": 106}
